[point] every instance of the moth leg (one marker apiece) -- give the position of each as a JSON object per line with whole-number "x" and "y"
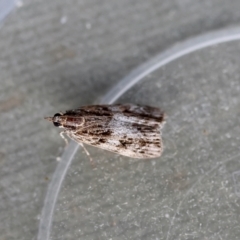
{"x": 63, "y": 137}
{"x": 86, "y": 151}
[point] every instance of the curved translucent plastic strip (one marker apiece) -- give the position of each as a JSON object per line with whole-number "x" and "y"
{"x": 168, "y": 56}
{"x": 116, "y": 92}
{"x": 6, "y": 6}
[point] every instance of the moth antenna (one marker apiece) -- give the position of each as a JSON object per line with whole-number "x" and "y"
{"x": 63, "y": 137}
{"x": 86, "y": 151}
{"x": 50, "y": 119}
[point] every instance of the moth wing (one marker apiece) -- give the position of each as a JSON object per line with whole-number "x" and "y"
{"x": 144, "y": 111}
{"x": 123, "y": 137}
{"x": 151, "y": 114}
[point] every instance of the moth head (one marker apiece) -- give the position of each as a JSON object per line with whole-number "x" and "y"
{"x": 66, "y": 121}
{"x": 56, "y": 120}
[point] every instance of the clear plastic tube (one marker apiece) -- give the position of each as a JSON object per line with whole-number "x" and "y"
{"x": 115, "y": 93}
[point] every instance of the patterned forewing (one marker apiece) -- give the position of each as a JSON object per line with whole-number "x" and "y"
{"x": 153, "y": 114}
{"x": 128, "y": 133}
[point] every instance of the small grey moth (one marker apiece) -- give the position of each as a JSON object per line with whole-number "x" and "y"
{"x": 127, "y": 129}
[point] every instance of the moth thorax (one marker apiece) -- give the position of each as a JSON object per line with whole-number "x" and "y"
{"x": 68, "y": 122}
{"x": 72, "y": 122}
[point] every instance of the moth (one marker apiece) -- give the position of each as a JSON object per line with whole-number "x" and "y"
{"x": 130, "y": 130}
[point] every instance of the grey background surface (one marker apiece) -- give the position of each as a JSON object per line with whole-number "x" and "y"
{"x": 192, "y": 190}
{"x": 56, "y": 55}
